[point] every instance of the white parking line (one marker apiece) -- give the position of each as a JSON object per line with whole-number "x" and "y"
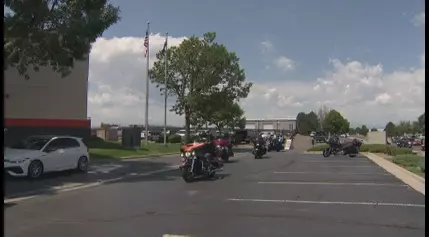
{"x": 330, "y": 203}
{"x": 336, "y": 161}
{"x": 168, "y": 235}
{"x": 351, "y": 166}
{"x": 78, "y": 186}
{"x": 330, "y": 173}
{"x": 334, "y": 183}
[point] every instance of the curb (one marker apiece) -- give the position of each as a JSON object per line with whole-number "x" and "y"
{"x": 413, "y": 180}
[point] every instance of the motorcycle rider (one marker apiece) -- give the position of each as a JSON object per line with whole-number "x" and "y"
{"x": 261, "y": 141}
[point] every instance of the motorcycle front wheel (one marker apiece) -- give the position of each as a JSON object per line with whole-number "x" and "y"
{"x": 326, "y": 152}
{"x": 187, "y": 175}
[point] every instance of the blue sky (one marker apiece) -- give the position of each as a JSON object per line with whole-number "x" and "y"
{"x": 364, "y": 58}
{"x": 308, "y": 31}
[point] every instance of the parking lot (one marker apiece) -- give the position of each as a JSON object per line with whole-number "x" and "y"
{"x": 285, "y": 194}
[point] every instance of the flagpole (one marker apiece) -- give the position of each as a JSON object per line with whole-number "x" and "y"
{"x": 146, "y": 124}
{"x": 165, "y": 91}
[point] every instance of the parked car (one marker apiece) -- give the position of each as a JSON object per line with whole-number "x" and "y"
{"x": 36, "y": 155}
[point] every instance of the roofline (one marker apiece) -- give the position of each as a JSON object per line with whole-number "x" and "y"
{"x": 272, "y": 119}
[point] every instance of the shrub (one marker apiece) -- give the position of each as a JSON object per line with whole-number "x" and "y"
{"x": 173, "y": 139}
{"x": 411, "y": 162}
{"x": 373, "y": 148}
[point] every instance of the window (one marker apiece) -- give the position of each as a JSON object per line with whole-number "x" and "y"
{"x": 63, "y": 143}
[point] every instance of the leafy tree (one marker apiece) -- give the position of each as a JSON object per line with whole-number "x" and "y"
{"x": 301, "y": 123}
{"x": 307, "y": 123}
{"x": 421, "y": 120}
{"x": 374, "y": 130}
{"x": 404, "y": 127}
{"x": 230, "y": 115}
{"x": 358, "y": 130}
{"x": 346, "y": 127}
{"x": 352, "y": 131}
{"x": 415, "y": 127}
{"x": 390, "y": 129}
{"x": 198, "y": 69}
{"x": 313, "y": 121}
{"x": 364, "y": 130}
{"x": 53, "y": 33}
{"x": 322, "y": 113}
{"x": 335, "y": 123}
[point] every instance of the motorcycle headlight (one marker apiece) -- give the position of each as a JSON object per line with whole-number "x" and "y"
{"x": 188, "y": 154}
{"x": 193, "y": 153}
{"x": 182, "y": 154}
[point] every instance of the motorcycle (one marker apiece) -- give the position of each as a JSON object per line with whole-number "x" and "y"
{"x": 351, "y": 149}
{"x": 223, "y": 149}
{"x": 259, "y": 151}
{"x": 195, "y": 164}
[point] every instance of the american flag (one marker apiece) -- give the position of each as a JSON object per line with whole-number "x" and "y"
{"x": 146, "y": 42}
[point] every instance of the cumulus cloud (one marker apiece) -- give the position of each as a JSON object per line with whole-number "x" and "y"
{"x": 285, "y": 64}
{"x": 267, "y": 46}
{"x": 419, "y": 19}
{"x": 363, "y": 93}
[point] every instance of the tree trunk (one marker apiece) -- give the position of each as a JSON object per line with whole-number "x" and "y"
{"x": 187, "y": 125}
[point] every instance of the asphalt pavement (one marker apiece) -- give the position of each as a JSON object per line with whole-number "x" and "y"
{"x": 285, "y": 194}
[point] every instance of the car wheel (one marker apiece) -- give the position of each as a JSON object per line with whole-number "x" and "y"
{"x": 82, "y": 164}
{"x": 35, "y": 169}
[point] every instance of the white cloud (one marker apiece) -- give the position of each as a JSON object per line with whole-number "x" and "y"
{"x": 267, "y": 46}
{"x": 419, "y": 19}
{"x": 284, "y": 63}
{"x": 363, "y": 93}
{"x": 117, "y": 82}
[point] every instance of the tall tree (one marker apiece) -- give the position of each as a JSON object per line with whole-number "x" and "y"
{"x": 313, "y": 121}
{"x": 302, "y": 124}
{"x": 364, "y": 130}
{"x": 54, "y": 33}
{"x": 322, "y": 113}
{"x": 199, "y": 68}
{"x": 335, "y": 123}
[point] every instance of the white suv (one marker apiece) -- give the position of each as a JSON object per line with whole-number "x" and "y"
{"x": 36, "y": 155}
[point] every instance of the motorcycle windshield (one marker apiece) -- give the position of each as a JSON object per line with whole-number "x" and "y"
{"x": 192, "y": 146}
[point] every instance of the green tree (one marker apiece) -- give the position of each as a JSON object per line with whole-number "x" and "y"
{"x": 302, "y": 123}
{"x": 404, "y": 127}
{"x": 421, "y": 123}
{"x": 364, "y": 130}
{"x": 229, "y": 115}
{"x": 322, "y": 113}
{"x": 335, "y": 122}
{"x": 358, "y": 130}
{"x": 346, "y": 127}
{"x": 53, "y": 33}
{"x": 313, "y": 121}
{"x": 198, "y": 69}
{"x": 390, "y": 129}
{"x": 415, "y": 127}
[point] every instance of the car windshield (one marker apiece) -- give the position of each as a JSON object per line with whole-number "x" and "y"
{"x": 31, "y": 143}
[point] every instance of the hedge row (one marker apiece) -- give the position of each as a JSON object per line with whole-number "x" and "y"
{"x": 373, "y": 148}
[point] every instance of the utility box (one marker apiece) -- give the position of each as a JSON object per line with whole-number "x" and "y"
{"x": 131, "y": 138}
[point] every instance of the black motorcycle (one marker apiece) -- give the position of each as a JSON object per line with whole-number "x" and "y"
{"x": 351, "y": 149}
{"x": 259, "y": 150}
{"x": 195, "y": 164}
